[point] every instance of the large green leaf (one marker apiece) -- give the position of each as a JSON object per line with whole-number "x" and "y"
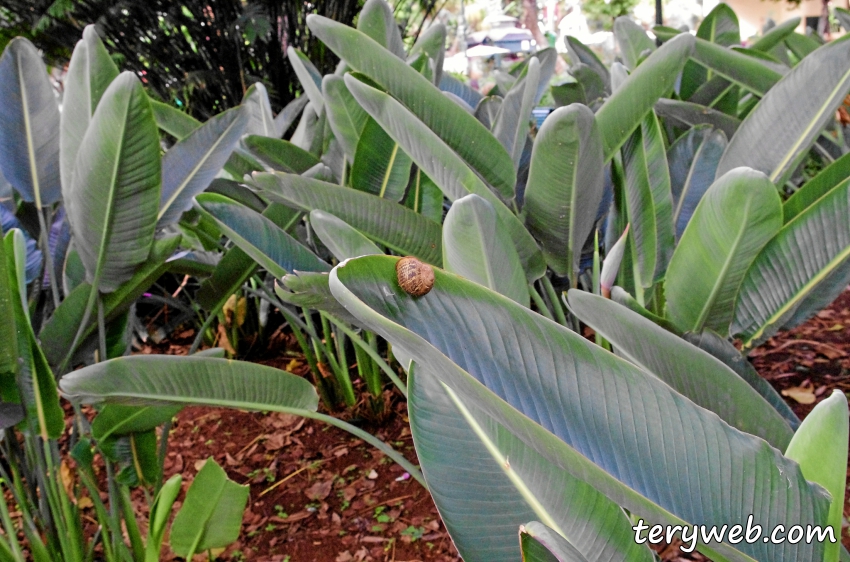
{"x": 211, "y": 515}
{"x": 775, "y": 35}
{"x": 380, "y": 167}
{"x": 512, "y": 121}
{"x": 687, "y": 369}
{"x": 29, "y": 122}
{"x": 739, "y": 68}
{"x": 692, "y": 114}
{"x": 190, "y": 165}
{"x": 539, "y": 543}
{"x": 450, "y": 122}
{"x": 145, "y": 380}
{"x": 57, "y": 334}
{"x": 113, "y": 200}
{"x": 176, "y": 123}
{"x": 308, "y": 75}
{"x": 444, "y": 167}
{"x": 486, "y": 482}
{"x": 623, "y": 112}
{"x": 342, "y": 240}
{"x": 279, "y": 155}
{"x": 649, "y": 202}
{"x": 256, "y": 100}
{"x": 376, "y": 20}
{"x": 736, "y": 217}
{"x": 90, "y": 72}
{"x": 311, "y": 290}
{"x": 693, "y": 160}
{"x": 817, "y": 187}
{"x": 270, "y": 246}
{"x": 565, "y": 185}
{"x": 474, "y": 247}
{"x": 792, "y": 114}
{"x": 383, "y": 221}
{"x": 117, "y": 419}
{"x": 8, "y": 332}
{"x": 820, "y": 446}
{"x": 721, "y": 27}
{"x": 581, "y": 53}
{"x": 345, "y": 115}
{"x": 634, "y": 43}
{"x": 602, "y": 418}
{"x": 35, "y": 381}
{"x": 799, "y": 271}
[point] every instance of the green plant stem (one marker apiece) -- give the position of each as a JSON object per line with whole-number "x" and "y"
{"x": 11, "y": 533}
{"x": 343, "y": 378}
{"x": 136, "y": 542}
{"x": 101, "y": 331}
{"x": 553, "y": 298}
{"x": 371, "y": 352}
{"x": 86, "y": 316}
{"x": 160, "y": 455}
{"x": 204, "y": 327}
{"x": 538, "y": 302}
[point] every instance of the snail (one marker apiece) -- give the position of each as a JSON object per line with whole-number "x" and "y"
{"x": 414, "y": 277}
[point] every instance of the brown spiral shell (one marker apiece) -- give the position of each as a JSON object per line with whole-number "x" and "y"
{"x": 414, "y": 277}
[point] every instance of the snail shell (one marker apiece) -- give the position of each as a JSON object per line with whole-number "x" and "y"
{"x": 414, "y": 277}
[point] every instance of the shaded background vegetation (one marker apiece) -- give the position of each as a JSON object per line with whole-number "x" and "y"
{"x": 198, "y": 55}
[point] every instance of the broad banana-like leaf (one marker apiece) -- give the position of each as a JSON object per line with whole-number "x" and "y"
{"x": 57, "y": 334}
{"x": 342, "y": 240}
{"x": 36, "y": 385}
{"x": 580, "y": 53}
{"x": 424, "y": 197}
{"x": 279, "y": 155}
{"x": 90, "y": 72}
{"x": 511, "y": 124}
{"x": 444, "y": 167}
{"x": 567, "y": 93}
{"x": 287, "y": 116}
{"x": 820, "y": 446}
{"x": 308, "y": 75}
{"x": 736, "y": 217}
{"x": 776, "y": 35}
{"x": 376, "y": 20}
{"x": 716, "y": 92}
{"x": 687, "y": 369}
{"x": 432, "y": 43}
{"x": 693, "y": 160}
{"x": 623, "y": 112}
{"x": 649, "y": 202}
{"x": 345, "y": 115}
{"x": 739, "y": 68}
{"x": 256, "y": 100}
{"x": 8, "y": 333}
{"x": 190, "y": 165}
{"x": 385, "y": 222}
{"x": 117, "y": 419}
{"x": 486, "y": 482}
{"x": 801, "y": 45}
{"x": 270, "y": 246}
{"x": 817, "y": 187}
{"x": 599, "y": 414}
{"x": 176, "y": 123}
{"x": 449, "y": 83}
{"x": 474, "y": 247}
{"x": 113, "y": 200}
{"x": 792, "y": 114}
{"x": 591, "y": 85}
{"x": 204, "y": 381}
{"x": 380, "y": 167}
{"x": 693, "y": 114}
{"x": 487, "y": 110}
{"x": 29, "y": 123}
{"x": 539, "y": 543}
{"x": 798, "y": 270}
{"x": 721, "y": 348}
{"x": 311, "y": 290}
{"x": 619, "y": 73}
{"x": 633, "y": 41}
{"x": 565, "y": 185}
{"x": 451, "y": 123}
{"x": 211, "y": 514}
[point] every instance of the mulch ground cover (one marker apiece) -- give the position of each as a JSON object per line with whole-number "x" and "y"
{"x": 319, "y": 494}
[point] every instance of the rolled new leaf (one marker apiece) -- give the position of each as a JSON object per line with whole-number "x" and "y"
{"x": 565, "y": 185}
{"x": 633, "y": 41}
{"x": 736, "y": 217}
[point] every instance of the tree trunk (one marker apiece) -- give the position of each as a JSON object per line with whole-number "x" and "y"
{"x": 529, "y": 20}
